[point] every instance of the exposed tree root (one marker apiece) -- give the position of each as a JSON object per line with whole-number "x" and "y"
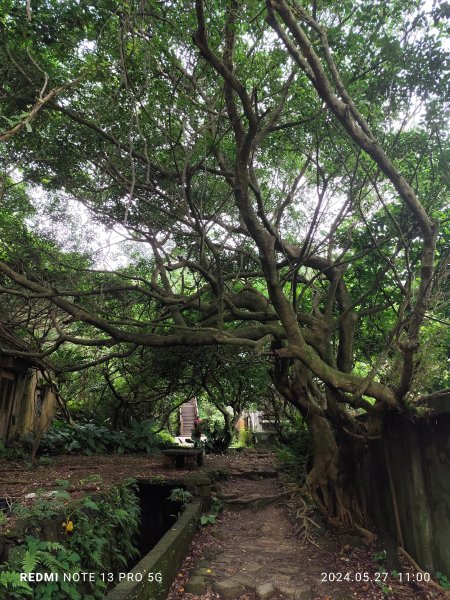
{"x": 432, "y": 583}
{"x": 334, "y": 511}
{"x": 361, "y": 437}
{"x": 307, "y": 527}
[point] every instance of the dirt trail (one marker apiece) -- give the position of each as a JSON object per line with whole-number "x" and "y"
{"x": 252, "y": 553}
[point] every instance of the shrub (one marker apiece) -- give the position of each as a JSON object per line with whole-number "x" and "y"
{"x": 217, "y": 437}
{"x": 10, "y": 453}
{"x": 246, "y": 438}
{"x": 443, "y": 580}
{"x": 92, "y": 438}
{"x": 180, "y": 495}
{"x": 211, "y": 518}
{"x": 37, "y": 556}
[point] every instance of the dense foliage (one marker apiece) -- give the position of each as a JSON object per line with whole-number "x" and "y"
{"x": 281, "y": 169}
{"x": 91, "y": 438}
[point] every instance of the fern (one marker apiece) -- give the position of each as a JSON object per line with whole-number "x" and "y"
{"x": 71, "y": 592}
{"x": 102, "y": 537}
{"x": 53, "y": 546}
{"x": 48, "y": 560}
{"x": 29, "y": 561}
{"x": 14, "y": 586}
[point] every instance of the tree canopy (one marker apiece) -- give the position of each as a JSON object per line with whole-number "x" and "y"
{"x": 282, "y": 165}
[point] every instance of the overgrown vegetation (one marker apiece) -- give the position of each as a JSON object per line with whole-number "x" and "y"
{"x": 10, "y": 453}
{"x": 92, "y": 438}
{"x": 443, "y": 580}
{"x": 246, "y": 438}
{"x": 217, "y": 437}
{"x": 95, "y": 536}
{"x": 210, "y": 518}
{"x": 180, "y": 495}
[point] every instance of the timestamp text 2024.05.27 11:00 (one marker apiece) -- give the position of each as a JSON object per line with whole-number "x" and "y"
{"x": 378, "y": 576}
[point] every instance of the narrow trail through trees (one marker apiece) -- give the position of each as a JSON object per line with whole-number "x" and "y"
{"x": 254, "y": 553}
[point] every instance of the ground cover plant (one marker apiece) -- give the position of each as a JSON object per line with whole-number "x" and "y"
{"x": 91, "y": 438}
{"x": 96, "y": 536}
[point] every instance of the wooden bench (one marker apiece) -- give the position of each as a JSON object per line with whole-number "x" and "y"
{"x": 183, "y": 458}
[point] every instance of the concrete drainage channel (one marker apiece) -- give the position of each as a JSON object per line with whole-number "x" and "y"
{"x": 153, "y": 575}
{"x": 163, "y": 540}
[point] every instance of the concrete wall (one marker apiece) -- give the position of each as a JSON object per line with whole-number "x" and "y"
{"x": 162, "y": 561}
{"x": 405, "y": 480}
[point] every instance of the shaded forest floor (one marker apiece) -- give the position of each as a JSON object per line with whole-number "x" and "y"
{"x": 253, "y": 552}
{"x": 84, "y": 473}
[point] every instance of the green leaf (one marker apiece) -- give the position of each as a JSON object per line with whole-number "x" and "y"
{"x": 89, "y": 503}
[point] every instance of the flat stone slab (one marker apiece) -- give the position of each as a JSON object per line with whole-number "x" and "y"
{"x": 196, "y": 585}
{"x": 258, "y": 473}
{"x": 182, "y": 451}
{"x": 265, "y": 591}
{"x": 251, "y": 567}
{"x": 228, "y": 496}
{"x": 183, "y": 457}
{"x": 302, "y": 592}
{"x": 229, "y": 589}
{"x": 223, "y": 560}
{"x": 289, "y": 570}
{"x": 197, "y": 479}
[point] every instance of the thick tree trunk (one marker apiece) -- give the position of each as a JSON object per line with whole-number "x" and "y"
{"x": 330, "y": 483}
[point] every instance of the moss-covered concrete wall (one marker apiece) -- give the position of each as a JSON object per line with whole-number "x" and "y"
{"x": 152, "y": 577}
{"x": 407, "y": 473}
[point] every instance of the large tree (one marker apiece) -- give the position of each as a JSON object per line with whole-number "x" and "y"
{"x": 285, "y": 166}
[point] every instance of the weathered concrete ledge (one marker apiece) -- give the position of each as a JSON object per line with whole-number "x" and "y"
{"x": 164, "y": 559}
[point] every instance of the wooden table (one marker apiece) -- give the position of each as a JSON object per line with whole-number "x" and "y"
{"x": 183, "y": 458}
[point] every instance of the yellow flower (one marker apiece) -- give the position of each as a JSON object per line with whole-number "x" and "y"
{"x": 68, "y": 526}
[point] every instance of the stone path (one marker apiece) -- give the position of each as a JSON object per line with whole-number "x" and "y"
{"x": 256, "y": 554}
{"x": 259, "y": 548}
{"x": 252, "y": 553}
